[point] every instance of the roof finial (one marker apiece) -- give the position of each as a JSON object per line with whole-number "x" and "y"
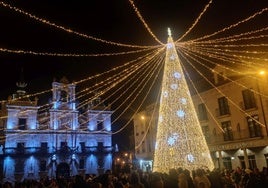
{"x": 169, "y": 32}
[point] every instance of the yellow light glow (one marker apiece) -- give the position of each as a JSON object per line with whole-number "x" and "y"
{"x": 262, "y": 72}
{"x": 179, "y": 139}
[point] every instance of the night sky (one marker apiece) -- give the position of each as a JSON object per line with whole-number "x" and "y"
{"x": 112, "y": 20}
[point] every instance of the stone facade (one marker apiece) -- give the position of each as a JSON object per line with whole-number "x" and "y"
{"x": 56, "y": 139}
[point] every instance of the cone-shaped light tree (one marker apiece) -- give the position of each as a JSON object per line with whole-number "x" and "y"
{"x": 179, "y": 139}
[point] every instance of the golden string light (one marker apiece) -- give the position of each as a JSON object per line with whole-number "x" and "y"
{"x": 125, "y": 77}
{"x": 224, "y": 58}
{"x": 222, "y": 39}
{"x": 195, "y": 22}
{"x": 230, "y": 27}
{"x": 180, "y": 142}
{"x": 70, "y": 54}
{"x": 107, "y": 84}
{"x": 231, "y": 45}
{"x": 200, "y": 56}
{"x": 202, "y": 100}
{"x": 144, "y": 23}
{"x": 221, "y": 52}
{"x": 68, "y": 29}
{"x": 147, "y": 93}
{"x": 150, "y": 124}
{"x": 142, "y": 84}
{"x": 218, "y": 90}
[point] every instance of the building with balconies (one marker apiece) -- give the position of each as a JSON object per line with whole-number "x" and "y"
{"x": 232, "y": 111}
{"x": 233, "y": 116}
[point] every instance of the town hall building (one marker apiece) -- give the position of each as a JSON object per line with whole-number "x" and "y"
{"x": 54, "y": 140}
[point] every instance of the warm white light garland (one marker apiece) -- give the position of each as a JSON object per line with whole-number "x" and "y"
{"x": 179, "y": 139}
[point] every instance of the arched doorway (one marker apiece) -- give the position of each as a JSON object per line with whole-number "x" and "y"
{"x": 63, "y": 170}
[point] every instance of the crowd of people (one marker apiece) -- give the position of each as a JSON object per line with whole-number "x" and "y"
{"x": 176, "y": 178}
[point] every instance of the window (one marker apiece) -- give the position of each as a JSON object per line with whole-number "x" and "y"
{"x": 100, "y": 125}
{"x": 242, "y": 162}
{"x": 227, "y": 128}
{"x": 149, "y": 147}
{"x": 202, "y": 112}
{"x": 205, "y": 130}
{"x": 252, "y": 162}
{"x": 143, "y": 147}
{"x": 43, "y": 165}
{"x": 254, "y": 126}
{"x": 19, "y": 166}
{"x": 63, "y": 96}
{"x": 227, "y": 163}
{"x": 223, "y": 106}
{"x": 266, "y": 159}
{"x": 220, "y": 78}
{"x": 64, "y": 147}
{"x": 20, "y": 148}
{"x": 83, "y": 146}
{"x": 100, "y": 147}
{"x": 22, "y": 124}
{"x": 248, "y": 98}
{"x": 81, "y": 164}
{"x": 44, "y": 147}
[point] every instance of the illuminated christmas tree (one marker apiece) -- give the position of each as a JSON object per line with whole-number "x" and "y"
{"x": 179, "y": 139}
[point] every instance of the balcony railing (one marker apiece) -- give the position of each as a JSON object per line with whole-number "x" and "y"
{"x": 25, "y": 150}
{"x": 236, "y": 135}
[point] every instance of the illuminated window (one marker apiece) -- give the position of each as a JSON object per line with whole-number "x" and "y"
{"x": 227, "y": 128}
{"x": 254, "y": 126}
{"x": 248, "y": 98}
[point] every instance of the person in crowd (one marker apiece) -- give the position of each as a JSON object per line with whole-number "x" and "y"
{"x": 172, "y": 179}
{"x": 156, "y": 180}
{"x": 134, "y": 181}
{"x": 201, "y": 179}
{"x": 182, "y": 180}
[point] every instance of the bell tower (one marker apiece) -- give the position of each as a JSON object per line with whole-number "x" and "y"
{"x": 63, "y": 114}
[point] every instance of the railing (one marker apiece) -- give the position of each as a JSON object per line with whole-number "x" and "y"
{"x": 25, "y": 150}
{"x": 236, "y": 135}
